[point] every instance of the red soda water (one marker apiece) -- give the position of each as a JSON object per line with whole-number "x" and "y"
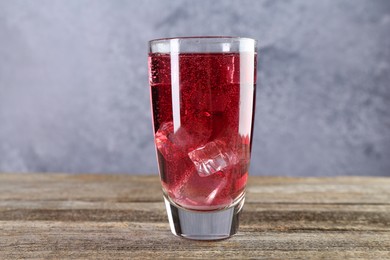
{"x": 203, "y": 155}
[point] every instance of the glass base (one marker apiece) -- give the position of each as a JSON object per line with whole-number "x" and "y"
{"x": 204, "y": 225}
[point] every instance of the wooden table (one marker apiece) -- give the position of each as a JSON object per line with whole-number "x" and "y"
{"x": 109, "y": 217}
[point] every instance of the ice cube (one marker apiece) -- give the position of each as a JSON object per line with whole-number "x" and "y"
{"x": 198, "y": 125}
{"x": 198, "y": 193}
{"x": 213, "y": 157}
{"x": 176, "y": 145}
{"x": 210, "y": 198}
{"x": 166, "y": 144}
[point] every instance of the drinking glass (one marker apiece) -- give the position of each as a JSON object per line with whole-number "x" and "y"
{"x": 203, "y": 98}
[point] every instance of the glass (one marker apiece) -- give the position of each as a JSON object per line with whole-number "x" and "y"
{"x": 203, "y": 99}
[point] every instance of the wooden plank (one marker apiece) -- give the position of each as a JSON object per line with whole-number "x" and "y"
{"x": 85, "y": 187}
{"x": 123, "y": 188}
{"x": 344, "y": 190}
{"x": 50, "y": 239}
{"x": 259, "y": 216}
{"x": 118, "y": 216}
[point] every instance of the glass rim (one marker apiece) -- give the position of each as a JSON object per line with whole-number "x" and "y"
{"x": 238, "y": 38}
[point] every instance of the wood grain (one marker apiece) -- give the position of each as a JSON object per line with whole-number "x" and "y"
{"x": 59, "y": 216}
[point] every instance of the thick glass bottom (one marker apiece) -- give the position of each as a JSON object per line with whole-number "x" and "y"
{"x": 204, "y": 225}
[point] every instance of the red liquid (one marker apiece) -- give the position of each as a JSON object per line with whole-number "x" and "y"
{"x": 203, "y": 153}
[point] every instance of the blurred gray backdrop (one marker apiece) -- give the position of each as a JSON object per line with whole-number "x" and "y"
{"x": 74, "y": 93}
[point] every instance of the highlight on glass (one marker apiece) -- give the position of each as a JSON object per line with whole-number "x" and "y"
{"x": 203, "y": 98}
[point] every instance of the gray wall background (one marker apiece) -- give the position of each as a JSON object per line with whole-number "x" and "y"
{"x": 74, "y": 93}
